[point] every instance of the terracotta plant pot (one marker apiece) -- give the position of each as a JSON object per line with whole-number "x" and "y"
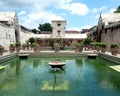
{"x": 1, "y": 50}
{"x": 11, "y": 49}
{"x": 114, "y": 51}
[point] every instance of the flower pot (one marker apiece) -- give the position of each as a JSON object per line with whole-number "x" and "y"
{"x": 18, "y": 48}
{"x": 103, "y": 49}
{"x": 36, "y": 49}
{"x": 1, "y": 50}
{"x": 11, "y": 49}
{"x": 57, "y": 49}
{"x": 114, "y": 51}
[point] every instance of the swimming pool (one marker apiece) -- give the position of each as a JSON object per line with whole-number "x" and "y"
{"x": 81, "y": 77}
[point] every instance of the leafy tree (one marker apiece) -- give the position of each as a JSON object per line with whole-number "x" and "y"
{"x": 35, "y": 31}
{"x": 117, "y": 10}
{"x": 31, "y": 40}
{"x": 87, "y": 41}
{"x": 45, "y": 27}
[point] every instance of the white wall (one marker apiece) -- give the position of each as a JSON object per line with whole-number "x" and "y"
{"x": 25, "y": 35}
{"x": 7, "y": 35}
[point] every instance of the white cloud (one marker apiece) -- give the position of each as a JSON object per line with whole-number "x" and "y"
{"x": 112, "y": 10}
{"x": 80, "y": 28}
{"x": 33, "y": 19}
{"x": 77, "y": 8}
{"x": 96, "y": 10}
{"x": 87, "y": 27}
{"x": 22, "y": 13}
{"x": 74, "y": 28}
{"x": 35, "y": 12}
{"x": 36, "y": 5}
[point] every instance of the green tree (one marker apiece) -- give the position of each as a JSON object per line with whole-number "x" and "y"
{"x": 117, "y": 10}
{"x": 35, "y": 31}
{"x": 31, "y": 40}
{"x": 45, "y": 27}
{"x": 87, "y": 41}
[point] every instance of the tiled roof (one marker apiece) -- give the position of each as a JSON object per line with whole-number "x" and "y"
{"x": 72, "y": 32}
{"x": 116, "y": 24}
{"x": 7, "y": 16}
{"x": 110, "y": 18}
{"x": 67, "y": 36}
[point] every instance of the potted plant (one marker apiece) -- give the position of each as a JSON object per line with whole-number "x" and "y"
{"x": 79, "y": 47}
{"x": 18, "y": 46}
{"x": 92, "y": 46}
{"x": 27, "y": 44}
{"x": 87, "y": 42}
{"x": 57, "y": 47}
{"x": 35, "y": 47}
{"x": 97, "y": 46}
{"x": 12, "y": 48}
{"x": 103, "y": 47}
{"x": 1, "y": 50}
{"x": 114, "y": 49}
{"x": 31, "y": 40}
{"x": 23, "y": 46}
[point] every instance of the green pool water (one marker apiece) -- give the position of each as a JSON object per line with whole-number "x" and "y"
{"x": 81, "y": 77}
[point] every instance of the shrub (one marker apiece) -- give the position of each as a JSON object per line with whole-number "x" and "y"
{"x": 23, "y": 44}
{"x": 57, "y": 45}
{"x": 1, "y": 46}
{"x": 87, "y": 41}
{"x": 12, "y": 44}
{"x": 104, "y": 45}
{"x": 17, "y": 44}
{"x": 114, "y": 46}
{"x": 31, "y": 40}
{"x": 79, "y": 44}
{"x": 35, "y": 44}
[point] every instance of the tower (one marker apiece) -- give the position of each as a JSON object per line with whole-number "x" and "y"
{"x": 58, "y": 28}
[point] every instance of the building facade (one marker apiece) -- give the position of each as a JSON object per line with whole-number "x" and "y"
{"x": 107, "y": 30}
{"x": 60, "y": 35}
{"x": 10, "y": 30}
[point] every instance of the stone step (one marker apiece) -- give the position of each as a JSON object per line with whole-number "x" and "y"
{"x": 116, "y": 67}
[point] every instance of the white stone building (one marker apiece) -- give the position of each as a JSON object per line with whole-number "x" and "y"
{"x": 108, "y": 30}
{"x": 60, "y": 35}
{"x": 10, "y": 30}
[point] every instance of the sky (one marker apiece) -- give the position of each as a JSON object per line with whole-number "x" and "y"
{"x": 79, "y": 14}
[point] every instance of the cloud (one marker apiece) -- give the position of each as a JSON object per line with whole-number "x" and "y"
{"x": 22, "y": 13}
{"x": 77, "y": 8}
{"x": 33, "y": 5}
{"x": 34, "y": 12}
{"x": 97, "y": 10}
{"x": 33, "y": 19}
{"x": 112, "y": 10}
{"x": 87, "y": 27}
{"x": 74, "y": 28}
{"x": 80, "y": 28}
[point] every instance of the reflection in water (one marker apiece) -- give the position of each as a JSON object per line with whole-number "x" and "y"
{"x": 36, "y": 63}
{"x": 79, "y": 62}
{"x": 106, "y": 77}
{"x": 2, "y": 70}
{"x": 54, "y": 83}
{"x": 82, "y": 77}
{"x": 18, "y": 66}
{"x": 58, "y": 83}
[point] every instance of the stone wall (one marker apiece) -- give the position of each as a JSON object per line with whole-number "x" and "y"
{"x": 111, "y": 35}
{"x": 7, "y": 36}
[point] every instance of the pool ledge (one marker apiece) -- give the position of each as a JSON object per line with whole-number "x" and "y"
{"x": 5, "y": 57}
{"x": 112, "y": 58}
